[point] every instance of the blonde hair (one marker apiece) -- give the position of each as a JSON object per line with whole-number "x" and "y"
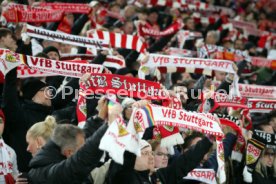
{"x": 43, "y": 129}
{"x": 262, "y": 169}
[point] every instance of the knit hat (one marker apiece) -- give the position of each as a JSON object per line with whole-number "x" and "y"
{"x": 143, "y": 144}
{"x": 50, "y": 49}
{"x": 127, "y": 101}
{"x": 31, "y": 87}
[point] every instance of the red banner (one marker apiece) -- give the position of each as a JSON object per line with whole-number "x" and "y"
{"x": 257, "y": 91}
{"x": 147, "y": 30}
{"x": 32, "y": 15}
{"x": 68, "y": 7}
{"x": 124, "y": 86}
{"x": 261, "y": 105}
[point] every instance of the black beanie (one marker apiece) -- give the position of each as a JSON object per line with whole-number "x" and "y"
{"x": 50, "y": 49}
{"x": 31, "y": 86}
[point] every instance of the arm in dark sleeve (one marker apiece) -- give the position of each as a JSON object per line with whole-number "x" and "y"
{"x": 99, "y": 59}
{"x": 92, "y": 125}
{"x": 200, "y": 83}
{"x": 228, "y": 143}
{"x": 23, "y": 48}
{"x": 115, "y": 169}
{"x": 59, "y": 101}
{"x": 186, "y": 162}
{"x": 11, "y": 105}
{"x": 79, "y": 165}
{"x": 131, "y": 57}
{"x": 82, "y": 50}
{"x": 224, "y": 86}
{"x": 160, "y": 44}
{"x": 53, "y": 26}
{"x": 78, "y": 24}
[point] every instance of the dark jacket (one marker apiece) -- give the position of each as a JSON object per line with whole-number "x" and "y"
{"x": 20, "y": 116}
{"x": 259, "y": 179}
{"x": 169, "y": 175}
{"x": 50, "y": 166}
{"x": 212, "y": 163}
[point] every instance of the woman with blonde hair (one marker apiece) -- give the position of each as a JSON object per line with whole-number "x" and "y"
{"x": 39, "y": 134}
{"x": 265, "y": 171}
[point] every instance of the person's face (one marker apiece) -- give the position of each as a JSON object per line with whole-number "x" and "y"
{"x": 220, "y": 76}
{"x": 228, "y": 45}
{"x": 43, "y": 97}
{"x": 273, "y": 123}
{"x": 145, "y": 161}
{"x": 267, "y": 129}
{"x": 33, "y": 145}
{"x": 153, "y": 17}
{"x": 65, "y": 48}
{"x": 8, "y": 41}
{"x": 115, "y": 9}
{"x": 210, "y": 39}
{"x": 239, "y": 45}
{"x": 190, "y": 24}
{"x": 128, "y": 111}
{"x": 53, "y": 55}
{"x": 142, "y": 16}
{"x": 161, "y": 157}
{"x": 186, "y": 76}
{"x": 128, "y": 28}
{"x": 182, "y": 92}
{"x": 129, "y": 11}
{"x": 268, "y": 158}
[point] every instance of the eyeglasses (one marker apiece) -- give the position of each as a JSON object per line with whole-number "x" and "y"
{"x": 147, "y": 153}
{"x": 162, "y": 154}
{"x": 272, "y": 154}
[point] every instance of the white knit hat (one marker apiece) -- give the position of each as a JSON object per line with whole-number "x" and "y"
{"x": 127, "y": 101}
{"x": 143, "y": 144}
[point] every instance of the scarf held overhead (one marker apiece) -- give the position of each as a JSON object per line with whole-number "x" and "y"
{"x": 124, "y": 86}
{"x": 41, "y": 33}
{"x": 10, "y": 60}
{"x": 117, "y": 40}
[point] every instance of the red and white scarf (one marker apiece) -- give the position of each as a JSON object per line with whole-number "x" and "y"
{"x": 124, "y": 86}
{"x": 257, "y": 91}
{"x": 6, "y": 163}
{"x": 153, "y": 115}
{"x": 207, "y": 176}
{"x": 224, "y": 100}
{"x": 181, "y": 52}
{"x": 41, "y": 33}
{"x": 261, "y": 105}
{"x": 147, "y": 30}
{"x": 10, "y": 60}
{"x": 184, "y": 35}
{"x": 23, "y": 71}
{"x": 110, "y": 61}
{"x": 169, "y": 64}
{"x": 68, "y": 7}
{"x": 117, "y": 40}
{"x": 23, "y": 13}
